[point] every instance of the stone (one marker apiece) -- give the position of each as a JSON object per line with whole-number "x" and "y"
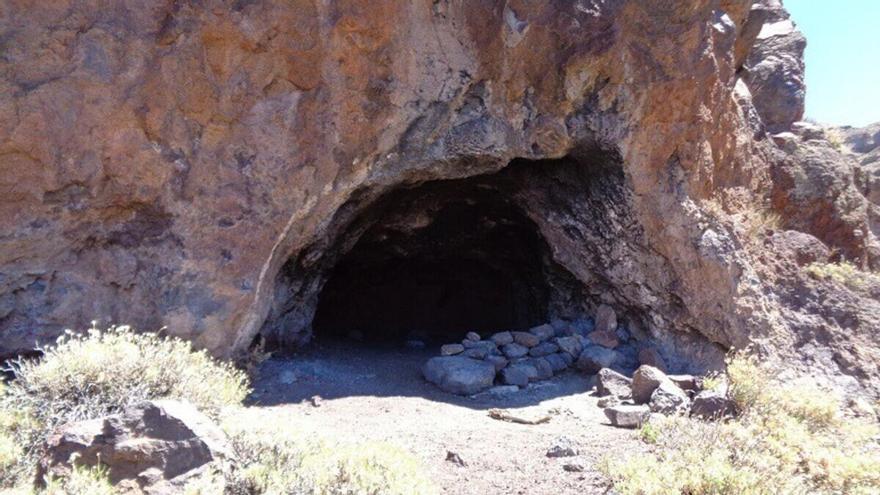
{"x": 570, "y": 345}
{"x": 153, "y": 445}
{"x": 610, "y": 382}
{"x": 562, "y": 447}
{"x": 455, "y": 458}
{"x": 502, "y": 338}
{"x": 568, "y": 358}
{"x": 459, "y": 375}
{"x": 543, "y": 332}
{"x": 515, "y": 375}
{"x": 605, "y": 338}
{"x": 476, "y": 353}
{"x": 451, "y": 349}
{"x": 498, "y": 362}
{"x": 594, "y": 358}
{"x": 608, "y": 401}
{"x": 574, "y": 467}
{"x": 688, "y": 383}
{"x": 543, "y": 368}
{"x": 557, "y": 362}
{"x": 561, "y": 327}
{"x": 627, "y": 416}
{"x": 645, "y": 380}
{"x": 526, "y": 339}
{"x": 514, "y": 350}
{"x": 543, "y": 349}
{"x": 711, "y": 404}
{"x": 472, "y": 336}
{"x": 668, "y": 399}
{"x": 651, "y": 357}
{"x": 606, "y": 319}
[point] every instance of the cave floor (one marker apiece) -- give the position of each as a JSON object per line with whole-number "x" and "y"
{"x": 378, "y": 393}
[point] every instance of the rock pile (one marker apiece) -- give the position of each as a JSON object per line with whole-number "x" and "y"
{"x": 629, "y": 402}
{"x": 517, "y": 358}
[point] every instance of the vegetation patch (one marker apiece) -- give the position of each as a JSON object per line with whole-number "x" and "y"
{"x": 787, "y": 439}
{"x": 844, "y": 273}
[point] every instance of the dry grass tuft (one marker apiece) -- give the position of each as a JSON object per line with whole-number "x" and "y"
{"x": 844, "y": 273}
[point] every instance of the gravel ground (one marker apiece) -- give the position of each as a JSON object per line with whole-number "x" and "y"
{"x": 378, "y": 393}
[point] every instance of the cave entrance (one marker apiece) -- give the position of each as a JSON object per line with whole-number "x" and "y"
{"x": 434, "y": 262}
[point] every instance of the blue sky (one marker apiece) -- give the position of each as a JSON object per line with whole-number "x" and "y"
{"x": 843, "y": 59}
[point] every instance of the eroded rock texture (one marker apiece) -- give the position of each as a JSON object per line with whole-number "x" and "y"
{"x": 207, "y": 165}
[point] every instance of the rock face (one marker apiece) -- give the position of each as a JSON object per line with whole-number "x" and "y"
{"x": 213, "y": 167}
{"x": 153, "y": 445}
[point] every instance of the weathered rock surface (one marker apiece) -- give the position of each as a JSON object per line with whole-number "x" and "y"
{"x": 668, "y": 399}
{"x": 156, "y": 445}
{"x": 459, "y": 375}
{"x": 610, "y": 382}
{"x": 645, "y": 380}
{"x": 594, "y": 358}
{"x": 628, "y": 416}
{"x": 205, "y": 166}
{"x": 711, "y": 404}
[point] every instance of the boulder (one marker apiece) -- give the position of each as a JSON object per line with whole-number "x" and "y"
{"x": 687, "y": 383}
{"x": 667, "y": 398}
{"x": 605, "y": 338}
{"x": 557, "y": 362}
{"x": 543, "y": 368}
{"x": 645, "y": 380}
{"x": 543, "y": 332}
{"x": 606, "y": 319}
{"x": 650, "y": 356}
{"x": 712, "y": 404}
{"x": 610, "y": 382}
{"x": 571, "y": 345}
{"x": 498, "y": 361}
{"x": 513, "y": 351}
{"x": 459, "y": 375}
{"x": 473, "y": 336}
{"x": 568, "y": 358}
{"x": 518, "y": 374}
{"x": 502, "y": 338}
{"x": 543, "y": 349}
{"x": 526, "y": 339}
{"x": 594, "y": 358}
{"x": 451, "y": 349}
{"x": 628, "y": 416}
{"x": 562, "y": 447}
{"x": 476, "y": 353}
{"x": 154, "y": 444}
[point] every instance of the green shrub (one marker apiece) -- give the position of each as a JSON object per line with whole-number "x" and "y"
{"x": 844, "y": 273}
{"x": 81, "y": 481}
{"x": 788, "y": 439}
{"x": 101, "y": 372}
{"x": 274, "y": 460}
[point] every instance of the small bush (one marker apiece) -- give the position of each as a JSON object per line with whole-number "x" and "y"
{"x": 99, "y": 373}
{"x": 80, "y": 481}
{"x": 844, "y": 273}
{"x": 788, "y": 439}
{"x": 272, "y": 462}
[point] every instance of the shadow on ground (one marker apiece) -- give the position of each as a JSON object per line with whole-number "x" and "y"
{"x": 333, "y": 369}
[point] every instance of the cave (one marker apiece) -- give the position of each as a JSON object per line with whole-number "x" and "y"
{"x": 441, "y": 259}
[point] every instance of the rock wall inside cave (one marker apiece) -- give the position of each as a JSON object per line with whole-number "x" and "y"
{"x": 212, "y": 166}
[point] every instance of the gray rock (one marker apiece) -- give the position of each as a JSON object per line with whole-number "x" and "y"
{"x": 594, "y": 358}
{"x": 667, "y": 398}
{"x": 472, "y": 336}
{"x": 154, "y": 444}
{"x": 543, "y": 368}
{"x": 526, "y": 339}
{"x": 557, "y": 362}
{"x": 451, "y": 349}
{"x": 498, "y": 361}
{"x": 502, "y": 338}
{"x": 562, "y": 447}
{"x": 514, "y": 350}
{"x": 515, "y": 375}
{"x": 605, "y": 338}
{"x": 570, "y": 345}
{"x": 711, "y": 404}
{"x": 626, "y": 416}
{"x": 543, "y": 332}
{"x": 574, "y": 467}
{"x": 610, "y": 382}
{"x": 459, "y": 375}
{"x": 486, "y": 345}
{"x": 476, "y": 353}
{"x": 543, "y": 349}
{"x": 608, "y": 401}
{"x": 561, "y": 327}
{"x": 606, "y": 319}
{"x": 645, "y": 380}
{"x": 687, "y": 382}
{"x": 568, "y": 358}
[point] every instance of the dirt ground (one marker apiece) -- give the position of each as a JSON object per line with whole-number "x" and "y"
{"x": 378, "y": 393}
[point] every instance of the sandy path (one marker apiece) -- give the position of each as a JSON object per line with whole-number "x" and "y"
{"x": 379, "y": 394}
